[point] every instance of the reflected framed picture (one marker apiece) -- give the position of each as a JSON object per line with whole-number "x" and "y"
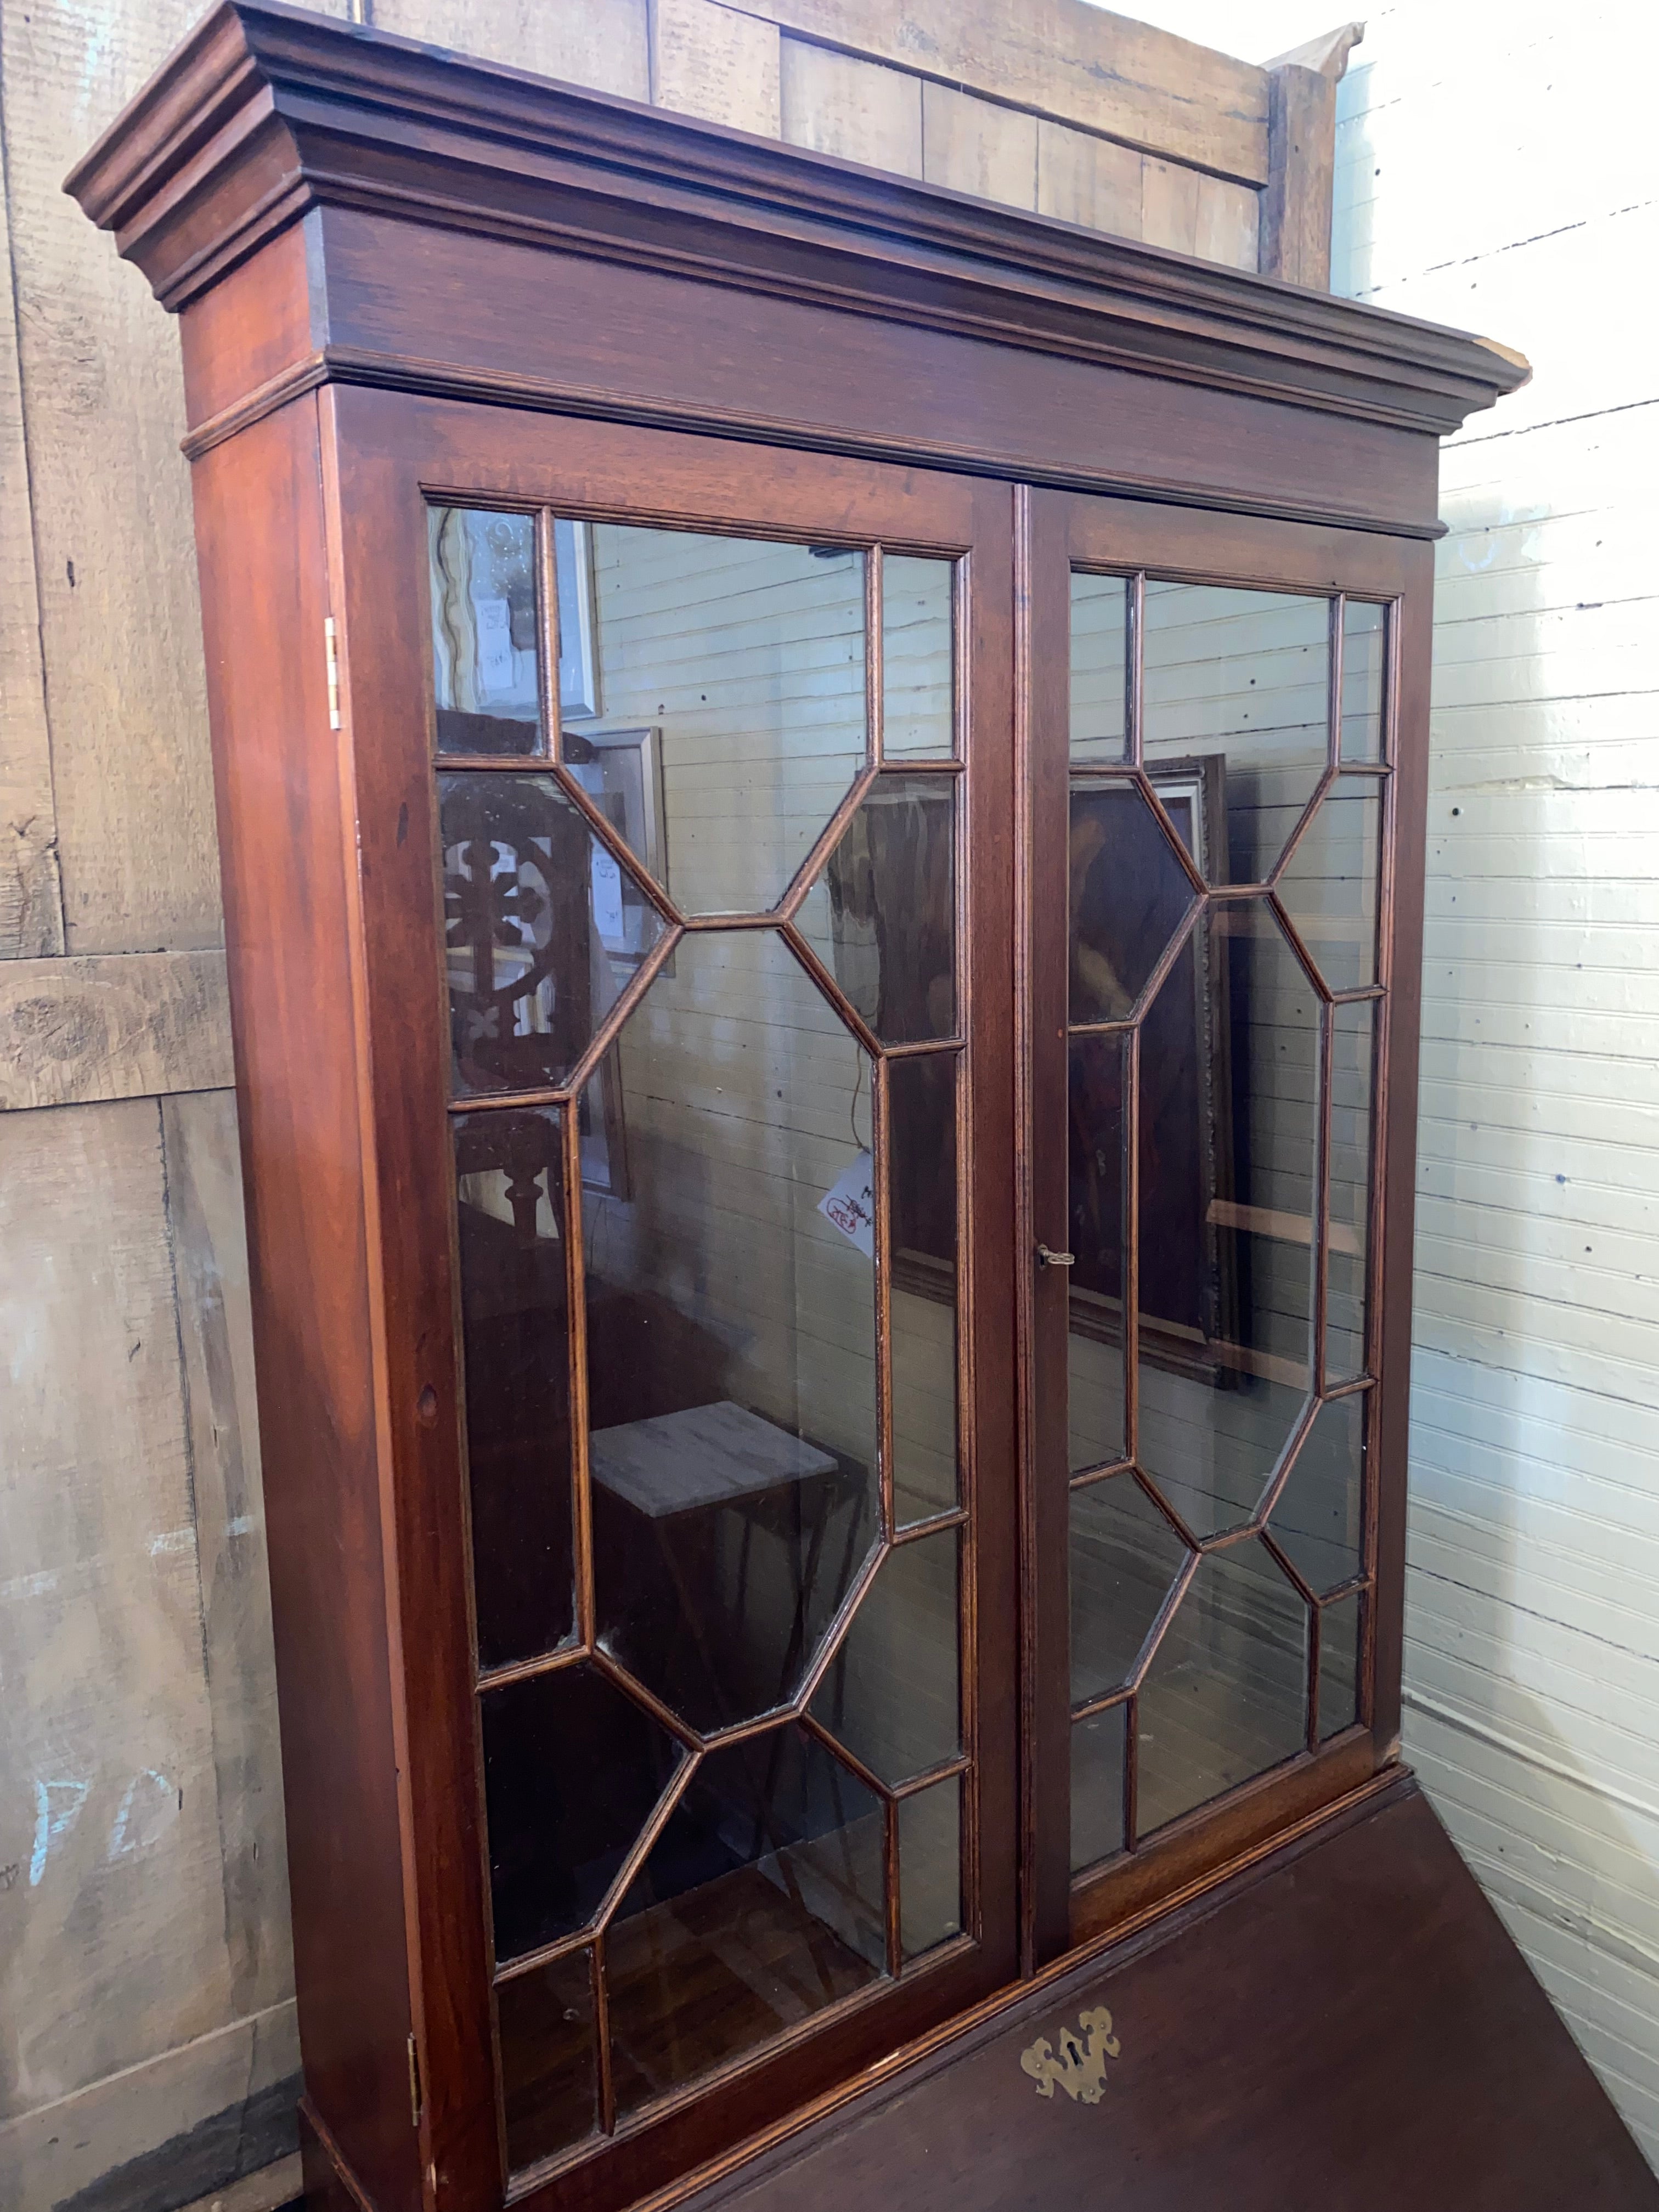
{"x": 578, "y": 665}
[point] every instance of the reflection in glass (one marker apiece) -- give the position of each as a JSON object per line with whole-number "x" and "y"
{"x": 760, "y": 1903}
{"x": 1243, "y": 674}
{"x": 1098, "y": 1067}
{"x": 1225, "y": 1696}
{"x": 549, "y": 2076}
{"x": 1353, "y": 1035}
{"x": 1098, "y": 1787}
{"x": 731, "y": 1332}
{"x": 1318, "y": 1522}
{"x": 747, "y": 659}
{"x": 1124, "y": 1560}
{"x": 930, "y": 1868}
{"x": 921, "y": 1183}
{"x": 1227, "y": 1122}
{"x": 893, "y": 1695}
{"x": 572, "y": 1768}
{"x": 485, "y": 643}
{"x": 882, "y": 916}
{"x": 1099, "y": 668}
{"x": 1129, "y": 894}
{"x": 510, "y": 1213}
{"x": 917, "y": 672}
{"x": 1364, "y": 642}
{"x": 1329, "y": 886}
{"x": 543, "y": 928}
{"x": 1340, "y": 1628}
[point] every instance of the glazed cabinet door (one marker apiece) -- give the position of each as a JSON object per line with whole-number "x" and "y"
{"x": 683, "y": 774}
{"x": 1223, "y": 867}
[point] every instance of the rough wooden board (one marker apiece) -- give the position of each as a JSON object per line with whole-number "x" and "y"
{"x": 1227, "y": 227}
{"x": 31, "y": 897}
{"x": 104, "y": 410}
{"x": 711, "y": 61}
{"x": 1089, "y": 181}
{"x": 858, "y": 111}
{"x": 111, "y": 1908}
{"x": 210, "y": 1247}
{"x": 1296, "y": 206}
{"x": 971, "y": 145}
{"x": 1066, "y": 60}
{"x": 602, "y": 44}
{"x": 114, "y": 1025}
{"x": 1169, "y": 212}
{"x": 62, "y": 2151}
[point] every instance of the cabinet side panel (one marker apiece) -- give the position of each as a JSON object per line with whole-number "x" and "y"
{"x": 261, "y": 548}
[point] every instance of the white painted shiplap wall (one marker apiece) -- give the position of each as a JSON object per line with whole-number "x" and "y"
{"x": 1496, "y": 170}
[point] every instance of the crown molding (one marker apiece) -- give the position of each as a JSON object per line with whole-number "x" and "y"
{"x": 265, "y": 111}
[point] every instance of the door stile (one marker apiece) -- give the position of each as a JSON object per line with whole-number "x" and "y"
{"x": 1042, "y": 719}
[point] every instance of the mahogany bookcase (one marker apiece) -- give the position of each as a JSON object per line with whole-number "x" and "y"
{"x": 822, "y": 795}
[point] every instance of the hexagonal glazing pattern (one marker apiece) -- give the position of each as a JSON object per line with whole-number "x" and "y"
{"x": 1318, "y": 1518}
{"x": 773, "y": 1853}
{"x": 1329, "y": 885}
{"x": 573, "y": 1769}
{"x": 1241, "y": 676}
{"x": 1129, "y": 894}
{"x": 1225, "y": 1696}
{"x": 748, "y": 660}
{"x": 543, "y": 927}
{"x": 881, "y": 913}
{"x": 910, "y": 1609}
{"x": 1125, "y": 1559}
{"x": 725, "y": 1537}
{"x": 1211, "y": 1452}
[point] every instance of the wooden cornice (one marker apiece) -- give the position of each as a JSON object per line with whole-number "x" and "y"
{"x": 266, "y": 112}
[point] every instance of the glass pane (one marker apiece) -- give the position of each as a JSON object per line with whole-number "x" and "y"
{"x": 1339, "y": 1666}
{"x": 1364, "y": 642}
{"x": 930, "y": 1868}
{"x": 1329, "y": 886}
{"x": 1225, "y": 1697}
{"x": 543, "y": 927}
{"x": 1129, "y": 894}
{"x": 573, "y": 1768}
{"x": 1098, "y": 1787}
{"x": 882, "y": 916}
{"x": 1099, "y": 667}
{"x": 917, "y": 670}
{"x": 760, "y": 1902}
{"x": 509, "y": 1188}
{"x": 747, "y": 660}
{"x": 1319, "y": 1520}
{"x": 486, "y": 645}
{"x": 893, "y": 1695}
{"x": 1095, "y": 1282}
{"x": 921, "y": 1116}
{"x": 731, "y": 1335}
{"x": 1354, "y": 1035}
{"x": 1240, "y": 678}
{"x": 549, "y": 2075}
{"x": 1124, "y": 1560}
{"x": 1228, "y": 1075}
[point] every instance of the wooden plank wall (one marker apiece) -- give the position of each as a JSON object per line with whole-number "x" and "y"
{"x": 1531, "y": 1665}
{"x": 146, "y": 2041}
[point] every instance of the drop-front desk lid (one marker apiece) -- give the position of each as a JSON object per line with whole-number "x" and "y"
{"x": 1348, "y": 2028}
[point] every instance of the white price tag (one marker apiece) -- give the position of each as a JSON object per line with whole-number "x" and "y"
{"x": 495, "y": 646}
{"x": 850, "y": 1203}
{"x": 607, "y": 894}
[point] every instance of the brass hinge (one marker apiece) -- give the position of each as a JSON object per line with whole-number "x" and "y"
{"x": 414, "y": 2081}
{"x": 332, "y": 650}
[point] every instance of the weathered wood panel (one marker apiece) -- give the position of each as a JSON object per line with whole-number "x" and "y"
{"x": 713, "y": 62}
{"x": 115, "y": 1026}
{"x": 858, "y": 111}
{"x": 1089, "y": 181}
{"x": 971, "y": 145}
{"x": 600, "y": 43}
{"x": 31, "y": 901}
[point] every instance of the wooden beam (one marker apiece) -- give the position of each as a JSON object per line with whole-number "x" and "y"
{"x": 1296, "y": 206}
{"x": 1065, "y": 59}
{"x": 112, "y": 1025}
